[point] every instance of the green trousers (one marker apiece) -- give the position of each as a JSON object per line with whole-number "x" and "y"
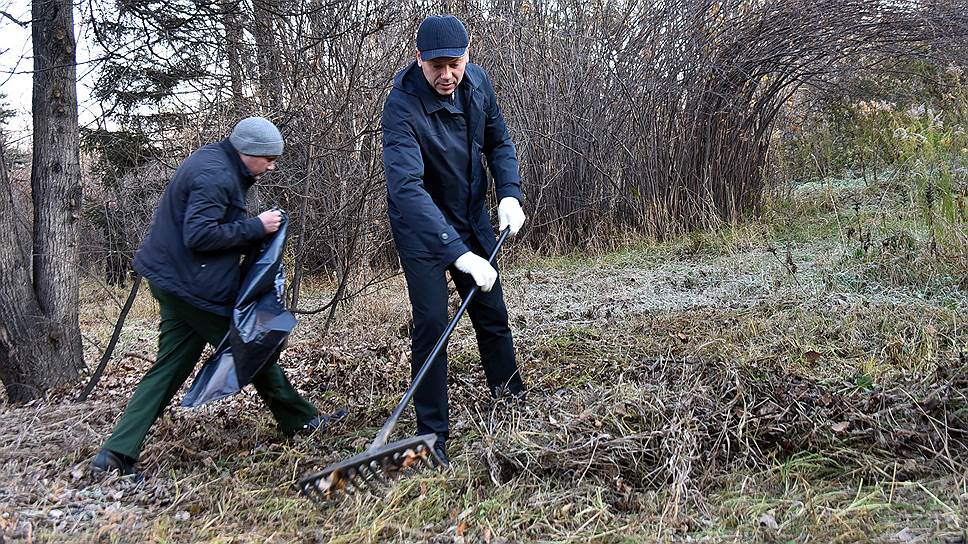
{"x": 184, "y": 331}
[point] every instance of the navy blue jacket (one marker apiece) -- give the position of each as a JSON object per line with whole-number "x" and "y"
{"x": 433, "y": 150}
{"x": 201, "y": 230}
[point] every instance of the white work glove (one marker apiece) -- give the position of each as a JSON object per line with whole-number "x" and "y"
{"x": 478, "y": 267}
{"x": 510, "y": 214}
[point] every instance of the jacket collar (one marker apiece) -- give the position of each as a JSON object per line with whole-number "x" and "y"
{"x": 245, "y": 176}
{"x": 412, "y": 81}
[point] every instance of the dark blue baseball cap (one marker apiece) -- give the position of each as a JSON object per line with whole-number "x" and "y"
{"x": 441, "y": 36}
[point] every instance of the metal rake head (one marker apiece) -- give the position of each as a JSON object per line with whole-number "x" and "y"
{"x": 373, "y": 469}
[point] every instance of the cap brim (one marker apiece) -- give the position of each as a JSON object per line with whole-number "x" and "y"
{"x": 453, "y": 52}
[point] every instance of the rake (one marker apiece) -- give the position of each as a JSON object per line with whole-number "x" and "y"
{"x": 373, "y": 469}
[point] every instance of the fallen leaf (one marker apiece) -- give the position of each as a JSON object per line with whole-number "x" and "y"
{"x": 682, "y": 337}
{"x": 767, "y": 520}
{"x": 905, "y": 535}
{"x": 840, "y": 427}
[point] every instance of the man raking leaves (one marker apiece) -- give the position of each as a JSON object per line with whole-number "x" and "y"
{"x": 440, "y": 121}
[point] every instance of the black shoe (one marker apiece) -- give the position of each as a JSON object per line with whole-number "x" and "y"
{"x": 106, "y": 460}
{"x": 440, "y": 449}
{"x": 503, "y": 396}
{"x": 320, "y": 422}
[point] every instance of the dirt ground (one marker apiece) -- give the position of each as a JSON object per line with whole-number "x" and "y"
{"x": 791, "y": 379}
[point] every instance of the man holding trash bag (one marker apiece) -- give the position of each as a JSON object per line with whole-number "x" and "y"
{"x": 440, "y": 118}
{"x": 191, "y": 259}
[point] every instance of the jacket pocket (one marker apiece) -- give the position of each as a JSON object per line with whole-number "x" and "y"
{"x": 217, "y": 278}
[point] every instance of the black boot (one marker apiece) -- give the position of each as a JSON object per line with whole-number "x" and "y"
{"x": 440, "y": 449}
{"x": 106, "y": 460}
{"x": 502, "y": 397}
{"x": 320, "y": 422}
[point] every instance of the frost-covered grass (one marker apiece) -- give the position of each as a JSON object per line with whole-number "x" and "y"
{"x": 795, "y": 379}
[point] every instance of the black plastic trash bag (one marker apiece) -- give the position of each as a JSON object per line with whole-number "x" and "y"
{"x": 260, "y": 326}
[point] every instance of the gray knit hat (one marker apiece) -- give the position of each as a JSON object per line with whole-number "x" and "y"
{"x": 257, "y": 136}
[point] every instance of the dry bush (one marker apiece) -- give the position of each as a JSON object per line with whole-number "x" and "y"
{"x": 631, "y": 118}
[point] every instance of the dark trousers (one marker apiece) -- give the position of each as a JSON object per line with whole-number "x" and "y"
{"x": 427, "y": 285}
{"x": 184, "y": 331}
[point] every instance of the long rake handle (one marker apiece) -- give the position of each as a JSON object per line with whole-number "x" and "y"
{"x": 384, "y": 434}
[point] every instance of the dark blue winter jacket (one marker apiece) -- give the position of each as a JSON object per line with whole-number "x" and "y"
{"x": 201, "y": 230}
{"x": 433, "y": 150}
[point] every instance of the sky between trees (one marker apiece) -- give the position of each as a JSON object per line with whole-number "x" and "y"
{"x": 16, "y": 70}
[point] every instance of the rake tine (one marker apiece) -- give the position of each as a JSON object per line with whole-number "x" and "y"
{"x": 427, "y": 463}
{"x": 369, "y": 480}
{"x": 377, "y": 471}
{"x": 364, "y": 475}
{"x": 354, "y": 476}
{"x": 319, "y": 496}
{"x": 377, "y": 466}
{"x": 371, "y": 471}
{"x": 313, "y": 492}
{"x": 396, "y": 461}
{"x": 391, "y": 465}
{"x": 307, "y": 490}
{"x": 381, "y": 483}
{"x": 308, "y": 486}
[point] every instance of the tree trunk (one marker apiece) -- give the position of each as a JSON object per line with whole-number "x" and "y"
{"x": 267, "y": 54}
{"x": 30, "y": 361}
{"x": 118, "y": 263}
{"x": 40, "y": 341}
{"x": 234, "y": 43}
